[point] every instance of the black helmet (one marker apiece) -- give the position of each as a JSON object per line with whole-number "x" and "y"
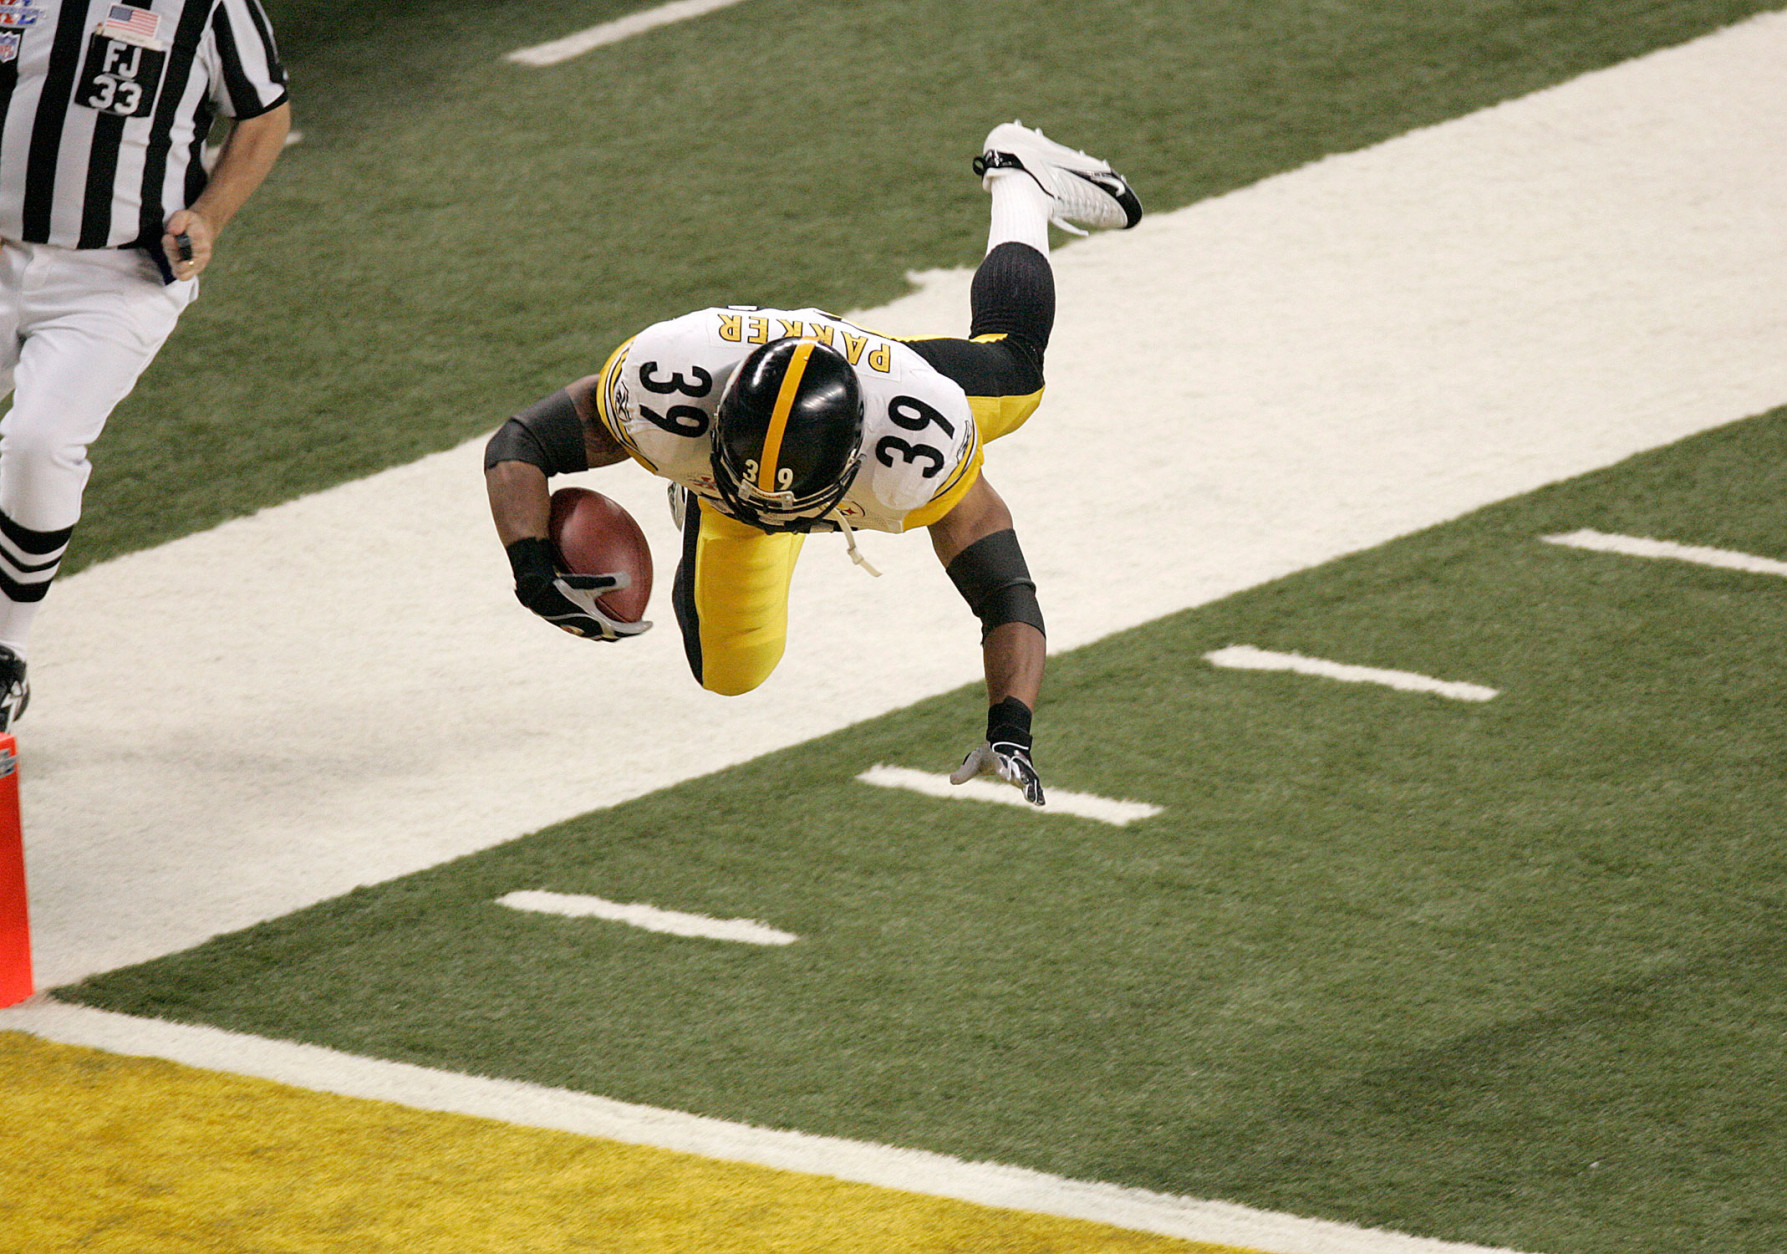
{"x": 788, "y": 435}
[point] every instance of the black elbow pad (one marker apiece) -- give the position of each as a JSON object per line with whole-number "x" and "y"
{"x": 547, "y": 434}
{"x": 992, "y": 577}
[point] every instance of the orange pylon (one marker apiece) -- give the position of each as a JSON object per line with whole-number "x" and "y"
{"x": 15, "y": 919}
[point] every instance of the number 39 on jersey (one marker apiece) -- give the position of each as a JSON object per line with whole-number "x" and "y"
{"x": 919, "y": 446}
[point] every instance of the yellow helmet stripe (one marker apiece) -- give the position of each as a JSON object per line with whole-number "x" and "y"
{"x": 778, "y": 418}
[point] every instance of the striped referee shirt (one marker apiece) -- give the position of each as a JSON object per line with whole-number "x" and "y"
{"x": 105, "y": 106}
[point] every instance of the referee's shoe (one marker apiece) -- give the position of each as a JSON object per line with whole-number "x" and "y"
{"x": 15, "y": 690}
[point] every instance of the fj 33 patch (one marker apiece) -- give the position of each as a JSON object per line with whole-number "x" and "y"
{"x": 121, "y": 75}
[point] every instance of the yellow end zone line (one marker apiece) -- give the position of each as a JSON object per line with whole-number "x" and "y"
{"x": 121, "y": 1153}
{"x": 537, "y": 1106}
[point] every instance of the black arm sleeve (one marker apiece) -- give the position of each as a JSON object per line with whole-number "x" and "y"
{"x": 992, "y": 577}
{"x": 547, "y": 434}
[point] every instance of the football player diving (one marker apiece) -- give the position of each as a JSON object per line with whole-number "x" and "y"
{"x": 773, "y": 423}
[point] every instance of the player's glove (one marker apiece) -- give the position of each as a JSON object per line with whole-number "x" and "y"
{"x": 1006, "y": 752}
{"x": 566, "y": 601}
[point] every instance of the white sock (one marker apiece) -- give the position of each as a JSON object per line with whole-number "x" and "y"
{"x": 1021, "y": 211}
{"x": 15, "y": 622}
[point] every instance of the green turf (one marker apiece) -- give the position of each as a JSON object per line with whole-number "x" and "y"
{"x": 458, "y": 235}
{"x": 1508, "y": 972}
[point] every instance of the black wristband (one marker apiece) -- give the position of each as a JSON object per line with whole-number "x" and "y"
{"x": 534, "y": 561}
{"x": 1009, "y": 723}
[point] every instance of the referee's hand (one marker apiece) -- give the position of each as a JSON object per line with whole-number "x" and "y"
{"x": 198, "y": 234}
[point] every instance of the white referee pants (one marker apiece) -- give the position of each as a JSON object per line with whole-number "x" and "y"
{"x": 77, "y": 329}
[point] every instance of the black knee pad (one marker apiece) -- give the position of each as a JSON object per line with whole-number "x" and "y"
{"x": 1014, "y": 295}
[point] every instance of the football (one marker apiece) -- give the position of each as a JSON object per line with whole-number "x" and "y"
{"x": 595, "y": 536}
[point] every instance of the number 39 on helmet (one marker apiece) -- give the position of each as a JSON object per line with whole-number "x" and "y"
{"x": 788, "y": 435}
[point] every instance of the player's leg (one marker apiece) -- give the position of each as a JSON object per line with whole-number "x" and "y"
{"x": 1013, "y": 312}
{"x": 1032, "y": 181}
{"x": 86, "y": 328}
{"x": 731, "y": 598}
{"x": 12, "y": 292}
{"x": 15, "y": 692}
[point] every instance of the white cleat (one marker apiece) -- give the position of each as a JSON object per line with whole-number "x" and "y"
{"x": 1084, "y": 189}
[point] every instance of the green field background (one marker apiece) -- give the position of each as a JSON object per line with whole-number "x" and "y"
{"x": 457, "y": 235}
{"x": 1508, "y": 972}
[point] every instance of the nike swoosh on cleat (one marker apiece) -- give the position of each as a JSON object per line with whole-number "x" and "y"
{"x": 1104, "y": 182}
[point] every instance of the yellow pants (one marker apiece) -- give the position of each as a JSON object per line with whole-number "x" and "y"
{"x": 731, "y": 589}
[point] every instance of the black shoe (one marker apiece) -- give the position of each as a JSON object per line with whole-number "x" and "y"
{"x": 15, "y": 689}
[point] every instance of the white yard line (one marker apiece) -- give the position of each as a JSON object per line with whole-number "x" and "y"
{"x": 652, "y": 919}
{"x": 532, "y": 1105}
{"x": 1310, "y": 366}
{"x": 613, "y": 32}
{"x": 1640, "y": 546}
{"x": 1245, "y": 657}
{"x": 1059, "y": 801}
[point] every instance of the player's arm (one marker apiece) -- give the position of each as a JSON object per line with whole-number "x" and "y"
{"x": 977, "y": 545}
{"x": 557, "y": 435}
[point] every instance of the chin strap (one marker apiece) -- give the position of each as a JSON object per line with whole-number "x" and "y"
{"x": 850, "y": 542}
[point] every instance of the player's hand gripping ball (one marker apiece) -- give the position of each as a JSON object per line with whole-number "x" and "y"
{"x": 607, "y": 565}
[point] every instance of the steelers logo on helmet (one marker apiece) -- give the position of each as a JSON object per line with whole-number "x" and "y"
{"x": 788, "y": 435}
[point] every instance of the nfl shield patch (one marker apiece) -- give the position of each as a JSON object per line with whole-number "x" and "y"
{"x": 9, "y": 44}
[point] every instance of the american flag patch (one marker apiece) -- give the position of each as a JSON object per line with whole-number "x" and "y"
{"x": 131, "y": 23}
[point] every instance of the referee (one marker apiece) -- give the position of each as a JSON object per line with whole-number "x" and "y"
{"x": 107, "y": 217}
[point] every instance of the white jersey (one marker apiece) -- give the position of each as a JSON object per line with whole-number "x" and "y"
{"x": 660, "y": 390}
